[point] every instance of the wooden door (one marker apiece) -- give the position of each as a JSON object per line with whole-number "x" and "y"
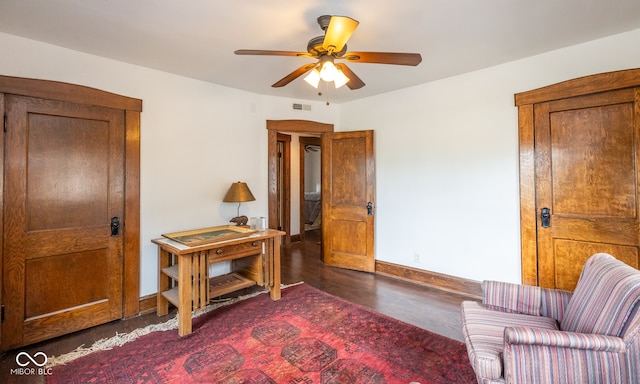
{"x": 586, "y": 151}
{"x": 348, "y": 200}
{"x": 579, "y": 151}
{"x": 64, "y": 182}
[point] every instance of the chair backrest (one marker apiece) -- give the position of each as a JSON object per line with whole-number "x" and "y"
{"x": 607, "y": 293}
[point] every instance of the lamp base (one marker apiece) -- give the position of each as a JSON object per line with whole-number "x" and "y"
{"x": 240, "y": 220}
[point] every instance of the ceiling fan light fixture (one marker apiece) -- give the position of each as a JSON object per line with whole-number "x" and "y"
{"x": 328, "y": 72}
{"x": 340, "y": 79}
{"x": 313, "y": 78}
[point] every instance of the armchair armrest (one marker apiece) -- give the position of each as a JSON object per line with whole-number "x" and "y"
{"x": 509, "y": 297}
{"x": 534, "y": 355}
{"x": 562, "y": 339}
{"x": 525, "y": 299}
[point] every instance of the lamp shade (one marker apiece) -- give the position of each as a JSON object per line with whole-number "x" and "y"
{"x": 328, "y": 71}
{"x": 238, "y": 193}
{"x": 313, "y": 78}
{"x": 340, "y": 79}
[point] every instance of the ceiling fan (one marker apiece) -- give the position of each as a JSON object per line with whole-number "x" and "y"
{"x": 330, "y": 47}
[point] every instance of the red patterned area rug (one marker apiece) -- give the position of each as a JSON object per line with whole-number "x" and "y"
{"x": 307, "y": 337}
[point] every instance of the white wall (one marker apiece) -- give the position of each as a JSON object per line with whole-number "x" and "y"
{"x": 447, "y": 160}
{"x": 196, "y": 138}
{"x": 447, "y": 155}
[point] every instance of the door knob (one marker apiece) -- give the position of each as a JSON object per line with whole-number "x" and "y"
{"x": 115, "y": 226}
{"x": 369, "y": 208}
{"x": 545, "y": 217}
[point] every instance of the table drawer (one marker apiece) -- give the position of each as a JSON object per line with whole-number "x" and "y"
{"x": 235, "y": 251}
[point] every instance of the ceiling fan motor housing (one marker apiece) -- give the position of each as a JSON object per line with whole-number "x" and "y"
{"x": 315, "y": 48}
{"x": 324, "y": 21}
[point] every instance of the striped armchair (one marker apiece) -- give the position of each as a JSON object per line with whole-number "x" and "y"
{"x": 526, "y": 334}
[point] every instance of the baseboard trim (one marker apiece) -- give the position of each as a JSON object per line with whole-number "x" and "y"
{"x": 454, "y": 284}
{"x": 148, "y": 303}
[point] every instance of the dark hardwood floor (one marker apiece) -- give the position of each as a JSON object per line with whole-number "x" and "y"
{"x": 423, "y": 306}
{"x": 426, "y": 307}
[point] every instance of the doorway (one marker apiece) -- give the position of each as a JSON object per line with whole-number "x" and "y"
{"x": 277, "y": 129}
{"x": 310, "y": 184}
{"x": 348, "y": 191}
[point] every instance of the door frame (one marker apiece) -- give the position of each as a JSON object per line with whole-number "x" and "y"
{"x": 283, "y": 126}
{"x": 525, "y": 101}
{"x": 284, "y": 200}
{"x": 132, "y": 108}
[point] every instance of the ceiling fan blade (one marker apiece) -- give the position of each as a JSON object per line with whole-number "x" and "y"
{"x": 262, "y": 52}
{"x": 396, "y": 58}
{"x": 354, "y": 81}
{"x": 294, "y": 75}
{"x": 338, "y": 32}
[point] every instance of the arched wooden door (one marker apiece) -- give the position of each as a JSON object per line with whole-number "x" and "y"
{"x": 579, "y": 151}
{"x": 70, "y": 165}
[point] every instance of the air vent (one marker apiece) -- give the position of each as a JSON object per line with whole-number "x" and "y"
{"x": 302, "y": 107}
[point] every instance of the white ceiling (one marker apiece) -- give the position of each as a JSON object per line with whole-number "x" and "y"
{"x": 196, "y": 38}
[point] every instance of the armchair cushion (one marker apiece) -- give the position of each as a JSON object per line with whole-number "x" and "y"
{"x": 486, "y": 328}
{"x": 606, "y": 295}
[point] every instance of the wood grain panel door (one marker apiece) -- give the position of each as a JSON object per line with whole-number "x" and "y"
{"x": 348, "y": 198}
{"x": 586, "y": 163}
{"x": 64, "y": 182}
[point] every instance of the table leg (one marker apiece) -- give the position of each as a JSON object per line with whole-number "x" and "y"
{"x": 185, "y": 293}
{"x": 163, "y": 282}
{"x": 273, "y": 248}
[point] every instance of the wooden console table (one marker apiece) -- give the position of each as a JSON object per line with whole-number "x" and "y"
{"x": 255, "y": 259}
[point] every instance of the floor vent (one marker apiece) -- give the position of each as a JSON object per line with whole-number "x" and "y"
{"x": 302, "y": 107}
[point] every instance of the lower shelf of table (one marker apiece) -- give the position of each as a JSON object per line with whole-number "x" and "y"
{"x": 221, "y": 285}
{"x": 172, "y": 296}
{"x": 218, "y": 286}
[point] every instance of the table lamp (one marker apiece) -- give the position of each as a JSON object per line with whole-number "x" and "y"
{"x": 238, "y": 193}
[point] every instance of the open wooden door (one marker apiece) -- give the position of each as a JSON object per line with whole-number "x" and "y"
{"x": 348, "y": 197}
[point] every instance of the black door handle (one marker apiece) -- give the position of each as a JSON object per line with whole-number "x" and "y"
{"x": 115, "y": 226}
{"x": 369, "y": 208}
{"x": 545, "y": 217}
